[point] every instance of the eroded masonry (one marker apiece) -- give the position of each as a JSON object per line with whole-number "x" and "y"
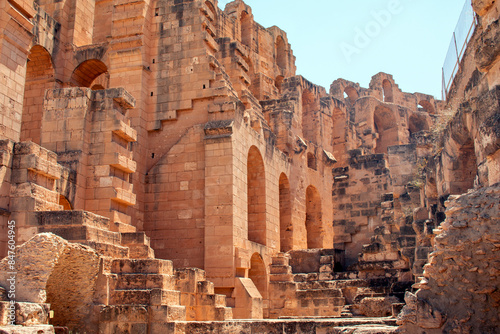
{"x": 167, "y": 172}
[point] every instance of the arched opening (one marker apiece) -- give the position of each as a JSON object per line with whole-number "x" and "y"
{"x": 256, "y": 194}
{"x": 418, "y": 122}
{"x": 387, "y": 90}
{"x": 87, "y": 72}
{"x": 313, "y": 218}
{"x": 310, "y": 112}
{"x": 65, "y": 203}
{"x": 97, "y": 87}
{"x": 386, "y": 127}
{"x": 285, "y": 214}
{"x": 278, "y": 82}
{"x": 351, "y": 93}
{"x": 211, "y": 8}
{"x": 40, "y": 76}
{"x": 311, "y": 161}
{"x": 281, "y": 58}
{"x": 461, "y": 169}
{"x": 258, "y": 274}
{"x": 426, "y": 106}
{"x": 246, "y": 29}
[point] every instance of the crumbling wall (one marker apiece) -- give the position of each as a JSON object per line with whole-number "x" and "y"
{"x": 51, "y": 270}
{"x": 459, "y": 292}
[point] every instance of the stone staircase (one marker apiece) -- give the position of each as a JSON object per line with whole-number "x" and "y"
{"x": 199, "y": 298}
{"x": 310, "y": 295}
{"x": 326, "y": 293}
{"x": 93, "y": 230}
{"x": 142, "y": 298}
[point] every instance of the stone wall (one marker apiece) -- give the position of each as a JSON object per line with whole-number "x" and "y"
{"x": 459, "y": 289}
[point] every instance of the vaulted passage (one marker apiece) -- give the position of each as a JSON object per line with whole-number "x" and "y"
{"x": 313, "y": 218}
{"x": 256, "y": 192}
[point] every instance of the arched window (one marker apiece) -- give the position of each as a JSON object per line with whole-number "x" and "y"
{"x": 286, "y": 235}
{"x": 246, "y": 29}
{"x": 387, "y": 90}
{"x": 40, "y": 76}
{"x": 385, "y": 125}
{"x": 351, "y": 93}
{"x": 313, "y": 218}
{"x": 281, "y": 56}
{"x": 426, "y": 106}
{"x": 256, "y": 197}
{"x": 310, "y": 111}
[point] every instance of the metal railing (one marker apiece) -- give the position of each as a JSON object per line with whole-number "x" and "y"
{"x": 461, "y": 36}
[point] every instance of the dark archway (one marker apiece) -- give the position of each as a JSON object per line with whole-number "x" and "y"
{"x": 314, "y": 228}
{"x": 281, "y": 57}
{"x": 256, "y": 196}
{"x": 258, "y": 274}
{"x": 387, "y": 90}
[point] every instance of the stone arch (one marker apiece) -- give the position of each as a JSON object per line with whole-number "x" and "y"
{"x": 47, "y": 261}
{"x": 40, "y": 76}
{"x": 314, "y": 228}
{"x": 286, "y": 241}
{"x": 85, "y": 73}
{"x": 211, "y": 7}
{"x": 310, "y": 104}
{"x": 385, "y": 125}
{"x": 256, "y": 196}
{"x": 426, "y": 106}
{"x": 246, "y": 23}
{"x": 387, "y": 91}
{"x": 281, "y": 56}
{"x": 258, "y": 274}
{"x": 351, "y": 93}
{"x": 66, "y": 204}
{"x": 418, "y": 122}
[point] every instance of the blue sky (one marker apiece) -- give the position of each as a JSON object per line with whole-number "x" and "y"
{"x": 355, "y": 40}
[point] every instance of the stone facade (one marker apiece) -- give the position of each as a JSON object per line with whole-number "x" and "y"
{"x": 173, "y": 146}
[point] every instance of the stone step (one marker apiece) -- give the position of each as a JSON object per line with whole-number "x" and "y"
{"x": 142, "y": 266}
{"x": 104, "y": 249}
{"x": 317, "y": 285}
{"x": 135, "y": 238}
{"x": 281, "y": 278}
{"x": 143, "y": 281}
{"x": 280, "y": 269}
{"x": 206, "y": 287}
{"x": 223, "y": 313}
{"x": 280, "y": 260}
{"x": 73, "y": 218}
{"x": 320, "y": 293}
{"x": 145, "y": 297}
{"x": 83, "y": 233}
{"x": 141, "y": 252}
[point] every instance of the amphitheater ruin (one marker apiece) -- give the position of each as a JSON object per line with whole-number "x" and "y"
{"x": 164, "y": 170}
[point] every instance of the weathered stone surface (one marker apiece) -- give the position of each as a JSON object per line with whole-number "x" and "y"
{"x": 463, "y": 270}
